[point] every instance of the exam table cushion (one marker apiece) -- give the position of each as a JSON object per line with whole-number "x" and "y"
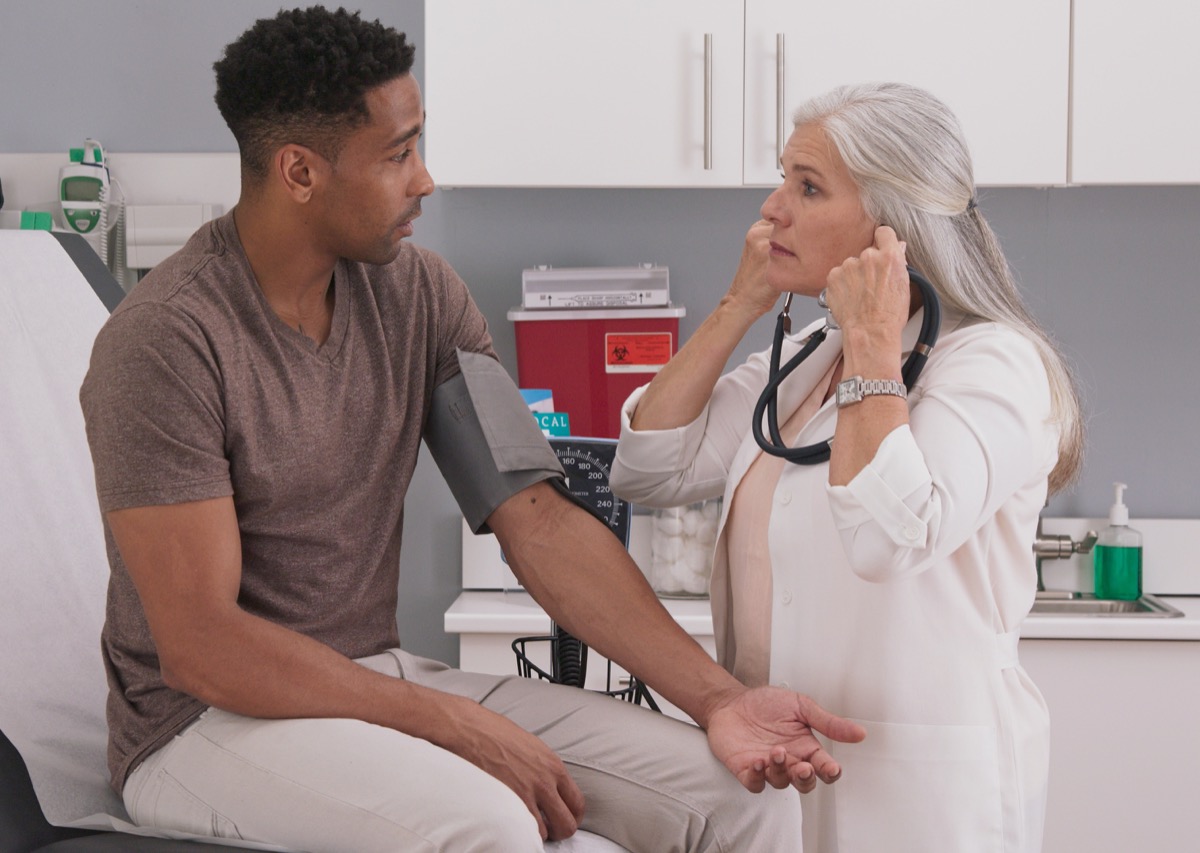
{"x": 24, "y": 829}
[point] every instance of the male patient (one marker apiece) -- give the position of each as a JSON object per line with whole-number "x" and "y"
{"x": 254, "y": 410}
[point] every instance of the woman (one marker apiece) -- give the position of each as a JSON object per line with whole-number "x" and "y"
{"x": 890, "y": 582}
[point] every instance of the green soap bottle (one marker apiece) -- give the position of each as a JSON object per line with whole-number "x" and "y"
{"x": 1117, "y": 556}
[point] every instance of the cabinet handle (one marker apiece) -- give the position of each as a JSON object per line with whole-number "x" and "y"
{"x": 708, "y": 100}
{"x": 780, "y": 107}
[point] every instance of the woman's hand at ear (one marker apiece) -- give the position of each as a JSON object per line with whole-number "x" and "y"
{"x": 871, "y": 294}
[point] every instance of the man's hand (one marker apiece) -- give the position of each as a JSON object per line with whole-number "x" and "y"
{"x": 520, "y": 760}
{"x": 765, "y": 737}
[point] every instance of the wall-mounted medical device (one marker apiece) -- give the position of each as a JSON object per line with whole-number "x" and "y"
{"x": 83, "y": 187}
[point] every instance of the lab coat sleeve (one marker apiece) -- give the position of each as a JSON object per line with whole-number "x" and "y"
{"x": 673, "y": 467}
{"x": 979, "y": 429}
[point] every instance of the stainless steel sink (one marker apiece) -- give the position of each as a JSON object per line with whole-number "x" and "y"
{"x": 1056, "y": 603}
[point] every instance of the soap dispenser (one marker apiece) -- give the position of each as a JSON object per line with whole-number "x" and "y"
{"x": 1118, "y": 554}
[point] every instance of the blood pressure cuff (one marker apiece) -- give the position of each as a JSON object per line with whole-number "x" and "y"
{"x": 485, "y": 440}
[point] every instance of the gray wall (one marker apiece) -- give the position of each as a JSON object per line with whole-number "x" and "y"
{"x": 1112, "y": 271}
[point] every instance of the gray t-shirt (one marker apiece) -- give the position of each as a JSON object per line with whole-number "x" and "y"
{"x": 198, "y": 390}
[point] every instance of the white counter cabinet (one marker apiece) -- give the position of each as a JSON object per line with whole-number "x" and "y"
{"x": 631, "y": 94}
{"x": 1124, "y": 756}
{"x": 1124, "y": 697}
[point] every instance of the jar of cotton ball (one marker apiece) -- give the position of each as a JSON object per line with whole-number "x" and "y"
{"x": 681, "y": 549}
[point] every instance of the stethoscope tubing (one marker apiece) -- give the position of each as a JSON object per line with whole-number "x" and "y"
{"x": 768, "y": 400}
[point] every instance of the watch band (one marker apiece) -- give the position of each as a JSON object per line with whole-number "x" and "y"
{"x": 855, "y": 388}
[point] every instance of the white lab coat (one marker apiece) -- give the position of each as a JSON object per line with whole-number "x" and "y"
{"x": 896, "y": 600}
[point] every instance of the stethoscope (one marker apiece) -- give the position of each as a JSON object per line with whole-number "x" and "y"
{"x": 815, "y": 454}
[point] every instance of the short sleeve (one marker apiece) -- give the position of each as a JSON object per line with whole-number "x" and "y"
{"x": 460, "y": 325}
{"x": 152, "y": 403}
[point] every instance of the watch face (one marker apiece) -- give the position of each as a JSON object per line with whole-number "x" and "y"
{"x": 848, "y": 392}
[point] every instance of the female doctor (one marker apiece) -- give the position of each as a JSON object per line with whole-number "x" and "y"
{"x": 890, "y": 582}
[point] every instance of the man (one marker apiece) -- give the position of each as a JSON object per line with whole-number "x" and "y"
{"x": 254, "y": 410}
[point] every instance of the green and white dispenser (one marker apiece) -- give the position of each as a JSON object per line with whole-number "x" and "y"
{"x": 1117, "y": 557}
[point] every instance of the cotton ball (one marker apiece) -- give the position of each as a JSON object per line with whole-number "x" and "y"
{"x": 668, "y": 524}
{"x": 682, "y": 546}
{"x": 666, "y": 547}
{"x": 689, "y": 557}
{"x": 677, "y": 568}
{"x": 696, "y": 584}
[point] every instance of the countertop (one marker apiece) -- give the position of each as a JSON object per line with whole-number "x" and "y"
{"x": 477, "y": 612}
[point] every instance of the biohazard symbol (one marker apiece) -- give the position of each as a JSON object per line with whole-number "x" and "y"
{"x": 620, "y": 352}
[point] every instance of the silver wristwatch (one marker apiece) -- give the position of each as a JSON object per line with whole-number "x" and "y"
{"x": 852, "y": 390}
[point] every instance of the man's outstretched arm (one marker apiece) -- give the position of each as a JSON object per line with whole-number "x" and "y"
{"x": 586, "y": 581}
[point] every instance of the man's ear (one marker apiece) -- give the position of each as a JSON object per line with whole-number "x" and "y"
{"x": 299, "y": 169}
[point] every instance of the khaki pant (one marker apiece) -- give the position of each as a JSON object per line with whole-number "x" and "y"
{"x": 650, "y": 783}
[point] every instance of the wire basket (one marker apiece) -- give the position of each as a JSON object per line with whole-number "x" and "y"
{"x": 568, "y": 656}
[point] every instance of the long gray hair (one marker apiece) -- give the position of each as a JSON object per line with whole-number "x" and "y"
{"x": 906, "y": 153}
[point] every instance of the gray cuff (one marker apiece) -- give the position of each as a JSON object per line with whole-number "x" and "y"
{"x": 485, "y": 440}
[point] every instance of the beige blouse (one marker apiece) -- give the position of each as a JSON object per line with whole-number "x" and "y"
{"x": 747, "y": 552}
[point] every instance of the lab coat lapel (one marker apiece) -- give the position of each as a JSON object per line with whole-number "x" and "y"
{"x": 792, "y": 393}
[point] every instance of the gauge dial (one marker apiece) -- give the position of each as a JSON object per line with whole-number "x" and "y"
{"x": 587, "y": 463}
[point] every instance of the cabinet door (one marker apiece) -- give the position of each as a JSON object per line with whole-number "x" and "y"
{"x": 1135, "y": 110}
{"x": 547, "y": 93}
{"x": 1002, "y": 68}
{"x": 1123, "y": 709}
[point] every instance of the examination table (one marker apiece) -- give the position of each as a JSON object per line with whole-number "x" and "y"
{"x": 54, "y": 793}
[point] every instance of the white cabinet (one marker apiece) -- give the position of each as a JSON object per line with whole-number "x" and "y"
{"x": 1003, "y": 68}
{"x": 1136, "y": 111}
{"x": 545, "y": 93}
{"x": 1124, "y": 757}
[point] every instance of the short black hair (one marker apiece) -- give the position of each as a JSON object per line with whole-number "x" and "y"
{"x": 302, "y": 77}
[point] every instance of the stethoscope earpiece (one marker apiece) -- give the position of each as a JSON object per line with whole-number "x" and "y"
{"x": 830, "y": 321}
{"x": 815, "y": 454}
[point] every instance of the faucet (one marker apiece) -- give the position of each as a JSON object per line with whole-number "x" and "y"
{"x": 1053, "y": 546}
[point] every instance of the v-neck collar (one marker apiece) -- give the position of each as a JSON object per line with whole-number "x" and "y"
{"x": 332, "y": 347}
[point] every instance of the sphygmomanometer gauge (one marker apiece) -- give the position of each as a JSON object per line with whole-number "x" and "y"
{"x": 588, "y": 463}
